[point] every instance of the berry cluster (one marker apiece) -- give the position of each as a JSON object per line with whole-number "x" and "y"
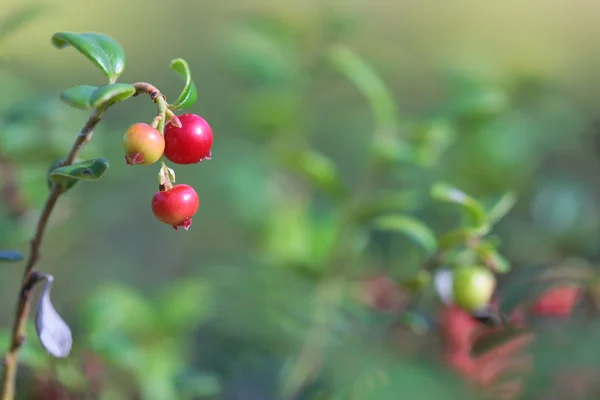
{"x": 187, "y": 139}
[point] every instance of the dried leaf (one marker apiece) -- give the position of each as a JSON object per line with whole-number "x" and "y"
{"x": 53, "y": 332}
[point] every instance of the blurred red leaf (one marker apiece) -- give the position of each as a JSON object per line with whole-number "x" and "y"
{"x": 557, "y": 301}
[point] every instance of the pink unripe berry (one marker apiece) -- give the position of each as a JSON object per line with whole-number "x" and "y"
{"x": 143, "y": 144}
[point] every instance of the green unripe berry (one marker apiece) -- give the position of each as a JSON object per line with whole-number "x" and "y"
{"x": 472, "y": 287}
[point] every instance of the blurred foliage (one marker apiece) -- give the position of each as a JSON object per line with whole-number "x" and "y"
{"x": 321, "y": 181}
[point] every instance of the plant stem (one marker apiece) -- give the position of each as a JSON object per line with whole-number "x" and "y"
{"x": 29, "y": 277}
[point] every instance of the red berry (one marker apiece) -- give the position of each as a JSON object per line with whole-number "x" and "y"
{"x": 176, "y": 206}
{"x": 557, "y": 302}
{"x": 143, "y": 144}
{"x": 189, "y": 144}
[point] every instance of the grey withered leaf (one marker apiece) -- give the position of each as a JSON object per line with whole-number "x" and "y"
{"x": 53, "y": 332}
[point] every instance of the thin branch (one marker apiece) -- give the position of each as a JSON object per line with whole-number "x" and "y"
{"x": 30, "y": 274}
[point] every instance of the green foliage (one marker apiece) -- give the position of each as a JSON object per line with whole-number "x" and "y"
{"x": 312, "y": 192}
{"x": 477, "y": 216}
{"x": 106, "y": 96}
{"x": 189, "y": 94}
{"x": 100, "y": 49}
{"x": 79, "y": 96}
{"x": 90, "y": 170}
{"x": 410, "y": 226}
{"x": 86, "y": 96}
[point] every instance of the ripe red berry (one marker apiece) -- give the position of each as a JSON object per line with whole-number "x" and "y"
{"x": 176, "y": 206}
{"x": 143, "y": 144}
{"x": 189, "y": 144}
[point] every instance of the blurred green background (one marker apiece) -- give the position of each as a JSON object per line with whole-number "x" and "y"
{"x": 219, "y": 311}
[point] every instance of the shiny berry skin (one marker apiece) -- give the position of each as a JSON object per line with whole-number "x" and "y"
{"x": 472, "y": 287}
{"x": 176, "y": 206}
{"x": 189, "y": 144}
{"x": 143, "y": 144}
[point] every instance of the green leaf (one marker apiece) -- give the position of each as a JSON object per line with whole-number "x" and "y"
{"x": 79, "y": 96}
{"x": 106, "y": 96}
{"x": 502, "y": 206}
{"x": 454, "y": 238}
{"x": 67, "y": 183}
{"x": 90, "y": 170}
{"x": 368, "y": 82}
{"x": 411, "y": 227}
{"x": 189, "y": 94}
{"x": 10, "y": 255}
{"x": 478, "y": 219}
{"x": 387, "y": 145}
{"x": 100, "y": 49}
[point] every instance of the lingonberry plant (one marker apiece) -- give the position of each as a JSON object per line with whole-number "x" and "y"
{"x": 326, "y": 228}
{"x": 143, "y": 144}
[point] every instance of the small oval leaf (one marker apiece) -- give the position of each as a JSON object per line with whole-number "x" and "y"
{"x": 189, "y": 94}
{"x": 106, "y": 96}
{"x": 411, "y": 227}
{"x": 90, "y": 170}
{"x": 478, "y": 218}
{"x": 369, "y": 83}
{"x": 10, "y": 255}
{"x": 79, "y": 96}
{"x": 67, "y": 183}
{"x": 100, "y": 49}
{"x": 54, "y": 334}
